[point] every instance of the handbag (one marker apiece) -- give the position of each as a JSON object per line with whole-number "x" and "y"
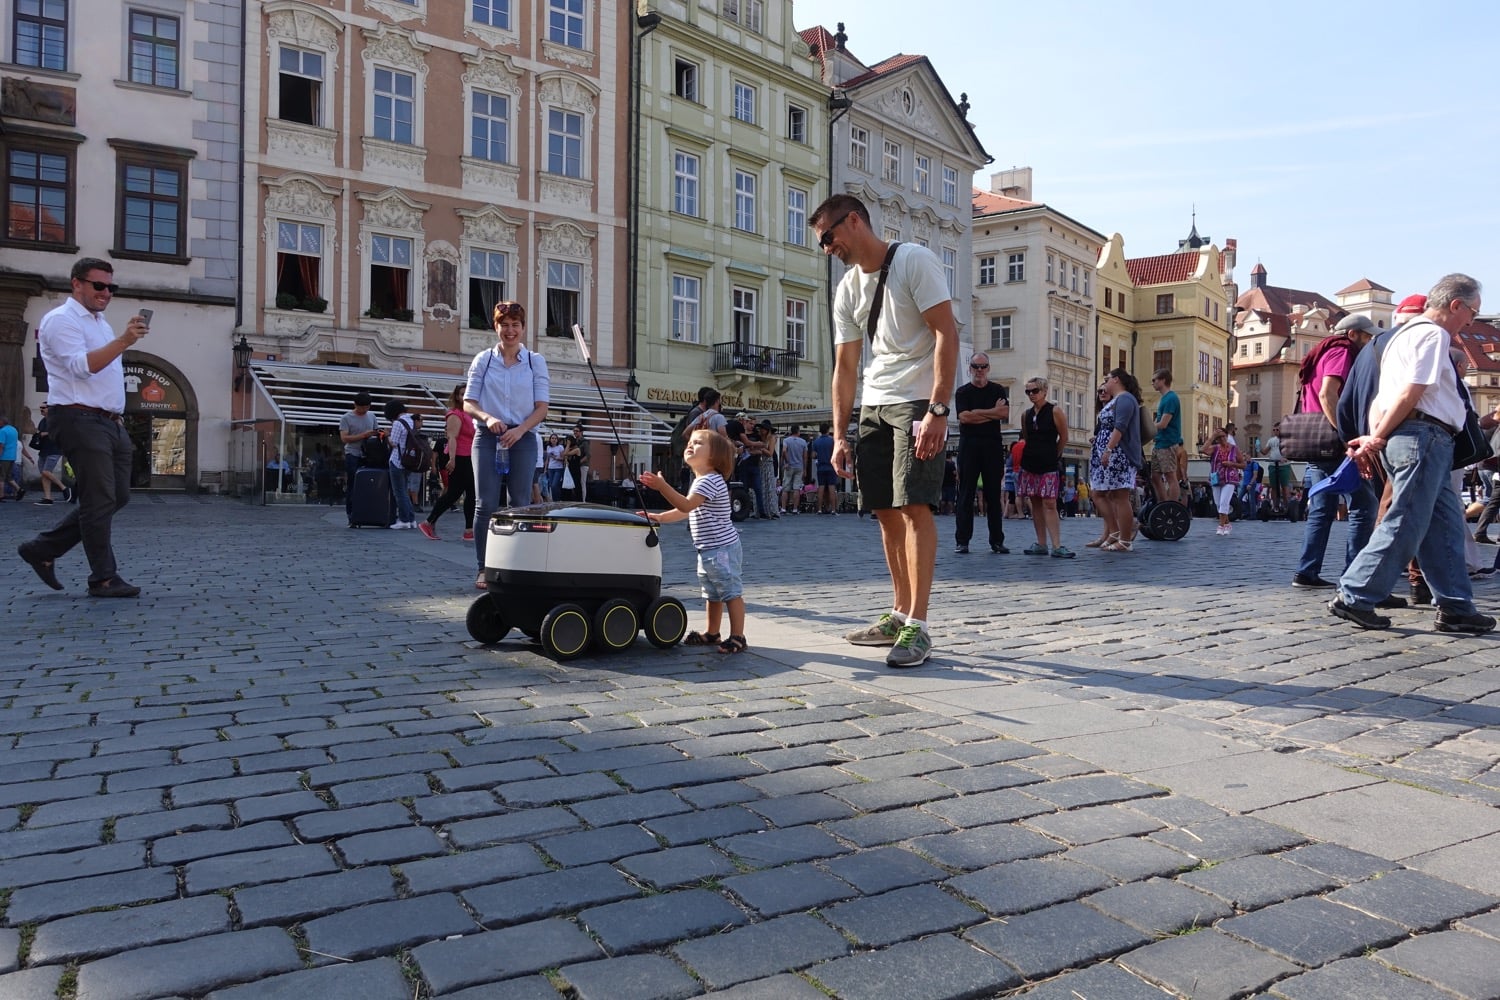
{"x": 1470, "y": 443}
{"x": 1309, "y": 437}
{"x": 567, "y": 479}
{"x": 1213, "y": 479}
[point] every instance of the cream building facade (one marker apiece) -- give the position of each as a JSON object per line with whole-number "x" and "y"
{"x": 120, "y": 142}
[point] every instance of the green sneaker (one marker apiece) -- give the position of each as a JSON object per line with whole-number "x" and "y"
{"x": 1035, "y": 550}
{"x": 1063, "y": 552}
{"x": 913, "y": 647}
{"x": 882, "y": 633}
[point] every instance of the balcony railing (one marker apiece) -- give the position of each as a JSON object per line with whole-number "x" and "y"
{"x": 762, "y": 359}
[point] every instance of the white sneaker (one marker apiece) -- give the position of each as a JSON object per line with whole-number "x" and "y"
{"x": 1219, "y": 530}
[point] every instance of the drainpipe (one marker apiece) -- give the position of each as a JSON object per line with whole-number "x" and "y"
{"x": 645, "y": 24}
{"x": 839, "y": 103}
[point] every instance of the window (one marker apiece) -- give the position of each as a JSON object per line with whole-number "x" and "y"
{"x": 987, "y": 270}
{"x": 1015, "y": 267}
{"x": 1255, "y": 378}
{"x": 1244, "y": 350}
{"x": 487, "y": 278}
{"x": 796, "y": 123}
{"x": 950, "y": 186}
{"x": 1159, "y": 360}
{"x": 1202, "y": 366}
{"x": 744, "y": 102}
{"x": 890, "y": 163}
{"x": 301, "y": 86}
{"x": 1085, "y": 283}
{"x": 565, "y": 27}
{"x": 39, "y": 195}
{"x": 1068, "y": 338}
{"x": 390, "y": 277}
{"x": 1203, "y": 427}
{"x": 685, "y": 80}
{"x": 395, "y": 106}
{"x": 1122, "y": 302}
{"x": 1122, "y": 358}
{"x": 1258, "y": 347}
{"x": 489, "y": 127}
{"x": 1050, "y": 262}
{"x": 1000, "y": 333}
{"x": 796, "y": 217}
{"x": 1254, "y": 407}
{"x": 744, "y": 12}
{"x": 1216, "y": 312}
{"x": 299, "y": 264}
{"x": 950, "y": 270}
{"x": 495, "y": 13}
{"x": 796, "y": 327}
{"x": 685, "y": 184}
{"x": 1218, "y": 371}
{"x": 744, "y": 201}
{"x": 1074, "y": 286}
{"x": 859, "y": 148}
{"x": 41, "y": 34}
{"x": 1164, "y": 305}
{"x": 564, "y": 296}
{"x": 152, "y": 210}
{"x": 921, "y": 171}
{"x": 564, "y": 143}
{"x": 153, "y": 49}
{"x": 1057, "y": 333}
{"x": 686, "y": 296}
{"x": 744, "y": 316}
{"x": 1108, "y": 297}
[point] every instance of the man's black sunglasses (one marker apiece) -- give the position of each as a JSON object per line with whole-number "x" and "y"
{"x": 100, "y": 286}
{"x": 827, "y": 237}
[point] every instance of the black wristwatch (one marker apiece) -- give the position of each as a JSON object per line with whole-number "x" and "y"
{"x": 938, "y": 409}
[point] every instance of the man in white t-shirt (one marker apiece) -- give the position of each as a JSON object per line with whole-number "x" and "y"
{"x": 895, "y": 296}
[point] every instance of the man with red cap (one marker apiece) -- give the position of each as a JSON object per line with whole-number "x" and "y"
{"x": 1417, "y": 408}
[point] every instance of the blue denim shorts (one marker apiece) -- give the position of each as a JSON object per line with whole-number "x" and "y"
{"x": 719, "y": 572}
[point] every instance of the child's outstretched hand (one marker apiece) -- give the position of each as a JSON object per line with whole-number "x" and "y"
{"x": 650, "y": 479}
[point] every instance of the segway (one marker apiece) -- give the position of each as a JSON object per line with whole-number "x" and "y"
{"x": 1165, "y": 520}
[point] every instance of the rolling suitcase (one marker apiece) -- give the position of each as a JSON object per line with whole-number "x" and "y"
{"x": 372, "y": 505}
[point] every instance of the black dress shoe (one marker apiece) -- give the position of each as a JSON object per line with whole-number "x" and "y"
{"x": 1000, "y": 550}
{"x": 114, "y": 587}
{"x": 1304, "y": 582}
{"x": 1392, "y": 601}
{"x": 1364, "y": 618}
{"x": 1421, "y": 594}
{"x": 1454, "y": 621}
{"x": 44, "y": 567}
{"x": 961, "y": 549}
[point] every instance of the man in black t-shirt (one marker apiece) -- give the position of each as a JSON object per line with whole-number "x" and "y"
{"x": 982, "y": 407}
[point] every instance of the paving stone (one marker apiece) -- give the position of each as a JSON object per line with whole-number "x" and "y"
{"x": 1363, "y": 978}
{"x": 985, "y": 845}
{"x": 985, "y": 778}
{"x": 1313, "y": 932}
{"x": 189, "y": 967}
{"x": 1207, "y": 966}
{"x": 281, "y": 806}
{"x": 686, "y": 772}
{"x": 797, "y": 781}
{"x": 377, "y": 928}
{"x": 1253, "y": 882}
{"x": 678, "y": 866}
{"x": 96, "y": 807}
{"x": 983, "y": 808}
{"x": 1160, "y": 906}
{"x": 1464, "y": 963}
{"x": 252, "y": 867}
{"x": 92, "y": 934}
{"x": 1045, "y": 942}
{"x": 907, "y": 913}
{"x": 718, "y": 793}
{"x": 640, "y": 924}
{"x": 300, "y": 898}
{"x": 935, "y": 968}
{"x": 390, "y": 846}
{"x": 57, "y": 899}
{"x": 24, "y": 792}
{"x": 1178, "y": 810}
{"x": 1105, "y": 982}
{"x": 1487, "y": 924}
{"x": 378, "y": 979}
{"x": 814, "y": 807}
{"x": 101, "y": 860}
{"x": 157, "y": 778}
{"x": 1342, "y": 863}
{"x": 1027, "y": 885}
{"x": 51, "y": 839}
{"x": 363, "y": 793}
{"x": 631, "y": 737}
{"x": 901, "y": 765}
{"x": 229, "y": 789}
{"x": 783, "y": 987}
{"x": 485, "y": 777}
{"x": 1231, "y": 837}
{"x": 1092, "y": 824}
{"x": 629, "y": 808}
{"x": 523, "y": 825}
{"x": 1414, "y": 900}
{"x": 589, "y": 846}
{"x": 537, "y": 896}
{"x": 567, "y": 788}
{"x": 31, "y": 984}
{"x": 504, "y": 954}
{"x": 892, "y": 793}
{"x": 630, "y": 977}
{"x": 709, "y": 824}
{"x": 472, "y": 868}
{"x": 523, "y": 988}
{"x": 1131, "y": 859}
{"x": 761, "y": 950}
{"x": 796, "y": 758}
{"x": 883, "y": 869}
{"x": 787, "y": 890}
{"x": 887, "y": 827}
{"x": 778, "y": 847}
{"x": 360, "y": 819}
{"x": 191, "y": 846}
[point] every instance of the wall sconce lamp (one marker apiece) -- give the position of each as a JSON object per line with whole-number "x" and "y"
{"x": 242, "y": 352}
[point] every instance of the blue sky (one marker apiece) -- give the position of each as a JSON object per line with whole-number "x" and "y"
{"x": 1292, "y": 127}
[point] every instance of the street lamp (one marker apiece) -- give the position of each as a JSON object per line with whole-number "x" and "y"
{"x": 242, "y": 352}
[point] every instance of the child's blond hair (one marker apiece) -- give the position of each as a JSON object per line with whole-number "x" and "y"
{"x": 720, "y": 451}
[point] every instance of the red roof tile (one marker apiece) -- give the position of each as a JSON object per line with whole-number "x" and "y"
{"x": 1479, "y": 340}
{"x": 989, "y": 203}
{"x": 1167, "y": 268}
{"x": 1274, "y": 299}
{"x": 891, "y": 65}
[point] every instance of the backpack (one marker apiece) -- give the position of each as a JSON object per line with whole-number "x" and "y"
{"x": 416, "y": 454}
{"x": 374, "y": 452}
{"x": 1148, "y": 426}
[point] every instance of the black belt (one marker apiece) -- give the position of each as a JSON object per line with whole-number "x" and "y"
{"x": 97, "y": 411}
{"x": 1429, "y": 419}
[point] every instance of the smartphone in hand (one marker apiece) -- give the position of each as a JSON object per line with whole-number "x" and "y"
{"x": 145, "y": 315}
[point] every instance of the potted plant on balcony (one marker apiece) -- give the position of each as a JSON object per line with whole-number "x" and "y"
{"x": 315, "y": 303}
{"x": 286, "y": 300}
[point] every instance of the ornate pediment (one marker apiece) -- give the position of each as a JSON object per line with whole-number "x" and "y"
{"x": 566, "y": 91}
{"x": 492, "y": 72}
{"x": 566, "y": 239}
{"x": 490, "y": 226}
{"x": 391, "y": 209}
{"x": 396, "y": 47}
{"x": 300, "y": 24}
{"x": 296, "y": 194}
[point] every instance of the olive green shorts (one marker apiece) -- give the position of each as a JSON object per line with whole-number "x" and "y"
{"x": 890, "y": 473}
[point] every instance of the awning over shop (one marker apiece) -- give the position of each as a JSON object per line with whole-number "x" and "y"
{"x": 318, "y": 395}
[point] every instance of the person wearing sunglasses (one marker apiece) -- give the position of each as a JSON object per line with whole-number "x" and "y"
{"x": 507, "y": 394}
{"x": 895, "y": 295}
{"x": 982, "y": 407}
{"x": 86, "y": 399}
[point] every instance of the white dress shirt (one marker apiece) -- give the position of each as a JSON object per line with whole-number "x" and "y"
{"x": 67, "y": 335}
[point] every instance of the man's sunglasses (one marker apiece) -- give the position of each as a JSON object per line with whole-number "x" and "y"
{"x": 980, "y": 368}
{"x": 826, "y": 239}
{"x": 100, "y": 286}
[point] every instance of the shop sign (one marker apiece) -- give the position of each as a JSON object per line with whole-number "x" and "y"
{"x": 150, "y": 391}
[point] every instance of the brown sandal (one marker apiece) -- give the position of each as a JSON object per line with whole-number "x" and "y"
{"x": 734, "y": 644}
{"x": 701, "y": 639}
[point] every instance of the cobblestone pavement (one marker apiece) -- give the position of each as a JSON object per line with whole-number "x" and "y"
{"x": 285, "y": 771}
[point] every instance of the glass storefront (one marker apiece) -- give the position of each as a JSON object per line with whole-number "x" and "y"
{"x": 156, "y": 415}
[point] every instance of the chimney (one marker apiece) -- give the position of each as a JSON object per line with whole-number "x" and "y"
{"x": 1013, "y": 183}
